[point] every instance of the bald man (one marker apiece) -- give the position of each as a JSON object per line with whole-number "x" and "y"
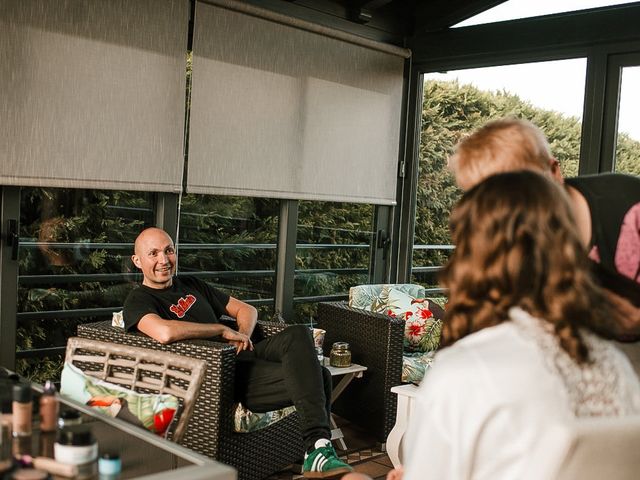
{"x": 277, "y": 372}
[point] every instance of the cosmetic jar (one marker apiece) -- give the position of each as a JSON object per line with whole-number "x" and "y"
{"x": 75, "y": 445}
{"x": 340, "y": 355}
{"x": 109, "y": 464}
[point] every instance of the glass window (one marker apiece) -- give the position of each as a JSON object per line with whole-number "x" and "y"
{"x": 74, "y": 266}
{"x": 628, "y": 139}
{"x": 332, "y": 254}
{"x": 550, "y": 94}
{"x": 514, "y": 9}
{"x": 230, "y": 242}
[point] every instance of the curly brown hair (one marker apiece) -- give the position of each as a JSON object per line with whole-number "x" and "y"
{"x": 517, "y": 245}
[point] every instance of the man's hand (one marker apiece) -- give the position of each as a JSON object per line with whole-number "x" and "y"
{"x": 240, "y": 340}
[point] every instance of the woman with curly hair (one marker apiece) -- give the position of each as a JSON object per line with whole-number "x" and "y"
{"x": 521, "y": 327}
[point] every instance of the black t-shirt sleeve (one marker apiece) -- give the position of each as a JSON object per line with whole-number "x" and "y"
{"x": 136, "y": 306}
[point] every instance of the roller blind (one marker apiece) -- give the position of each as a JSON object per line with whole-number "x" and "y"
{"x": 93, "y": 93}
{"x": 282, "y": 112}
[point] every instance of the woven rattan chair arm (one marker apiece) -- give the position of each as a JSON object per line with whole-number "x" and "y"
{"x": 142, "y": 370}
{"x": 212, "y": 418}
{"x": 376, "y": 342}
{"x": 263, "y": 328}
{"x": 270, "y": 328}
{"x": 146, "y": 341}
{"x": 375, "y": 339}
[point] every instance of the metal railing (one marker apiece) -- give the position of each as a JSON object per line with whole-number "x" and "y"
{"x": 105, "y": 312}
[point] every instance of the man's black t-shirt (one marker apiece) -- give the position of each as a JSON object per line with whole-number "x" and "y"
{"x": 188, "y": 298}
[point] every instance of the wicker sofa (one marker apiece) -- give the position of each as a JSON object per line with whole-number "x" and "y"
{"x": 377, "y": 342}
{"x": 255, "y": 455}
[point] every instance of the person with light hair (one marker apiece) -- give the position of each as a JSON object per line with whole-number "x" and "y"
{"x": 606, "y": 207}
{"x": 523, "y": 347}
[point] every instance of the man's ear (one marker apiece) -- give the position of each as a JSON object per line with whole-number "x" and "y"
{"x": 556, "y": 173}
{"x": 136, "y": 261}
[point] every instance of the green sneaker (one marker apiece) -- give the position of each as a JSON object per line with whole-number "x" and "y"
{"x": 323, "y": 462}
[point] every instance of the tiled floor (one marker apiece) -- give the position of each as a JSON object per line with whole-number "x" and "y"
{"x": 363, "y": 453}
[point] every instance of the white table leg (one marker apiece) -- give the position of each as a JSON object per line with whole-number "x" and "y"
{"x": 403, "y": 414}
{"x": 336, "y": 433}
{"x": 348, "y": 374}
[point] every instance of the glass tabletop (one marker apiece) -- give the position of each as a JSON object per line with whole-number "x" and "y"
{"x": 143, "y": 454}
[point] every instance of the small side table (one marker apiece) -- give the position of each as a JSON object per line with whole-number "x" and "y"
{"x": 406, "y": 394}
{"x": 348, "y": 374}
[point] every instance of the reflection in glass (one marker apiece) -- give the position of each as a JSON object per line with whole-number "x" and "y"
{"x": 458, "y": 102}
{"x": 332, "y": 254}
{"x": 73, "y": 265}
{"x": 230, "y": 242}
{"x": 628, "y": 139}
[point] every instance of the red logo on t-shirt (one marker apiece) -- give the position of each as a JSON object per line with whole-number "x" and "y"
{"x": 183, "y": 305}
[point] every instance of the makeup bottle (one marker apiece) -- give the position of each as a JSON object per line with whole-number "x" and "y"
{"x": 68, "y": 418}
{"x": 22, "y": 406}
{"x": 49, "y": 407}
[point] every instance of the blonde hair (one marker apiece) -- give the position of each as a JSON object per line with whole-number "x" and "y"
{"x": 516, "y": 245}
{"x": 499, "y": 146}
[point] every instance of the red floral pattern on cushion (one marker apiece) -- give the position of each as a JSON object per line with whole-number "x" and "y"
{"x": 420, "y": 328}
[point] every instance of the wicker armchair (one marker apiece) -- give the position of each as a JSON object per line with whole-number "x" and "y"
{"x": 376, "y": 341}
{"x": 255, "y": 455}
{"x": 143, "y": 371}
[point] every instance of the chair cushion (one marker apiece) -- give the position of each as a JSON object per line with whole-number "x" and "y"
{"x": 422, "y": 330}
{"x": 414, "y": 366}
{"x": 245, "y": 421}
{"x": 155, "y": 412}
{"x": 375, "y": 297}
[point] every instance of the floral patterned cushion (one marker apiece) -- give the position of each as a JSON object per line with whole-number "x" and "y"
{"x": 375, "y": 297}
{"x": 246, "y": 421}
{"x": 422, "y": 329}
{"x": 415, "y": 365}
{"x": 155, "y": 412}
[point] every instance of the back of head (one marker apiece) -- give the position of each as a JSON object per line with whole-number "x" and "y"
{"x": 499, "y": 146}
{"x": 517, "y": 245}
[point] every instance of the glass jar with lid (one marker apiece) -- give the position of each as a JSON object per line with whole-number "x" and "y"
{"x": 340, "y": 355}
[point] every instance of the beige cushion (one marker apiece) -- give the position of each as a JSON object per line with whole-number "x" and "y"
{"x": 589, "y": 449}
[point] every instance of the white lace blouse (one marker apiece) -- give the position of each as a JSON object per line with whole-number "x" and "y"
{"x": 491, "y": 396}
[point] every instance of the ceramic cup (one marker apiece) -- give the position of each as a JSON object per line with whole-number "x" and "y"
{"x": 318, "y": 337}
